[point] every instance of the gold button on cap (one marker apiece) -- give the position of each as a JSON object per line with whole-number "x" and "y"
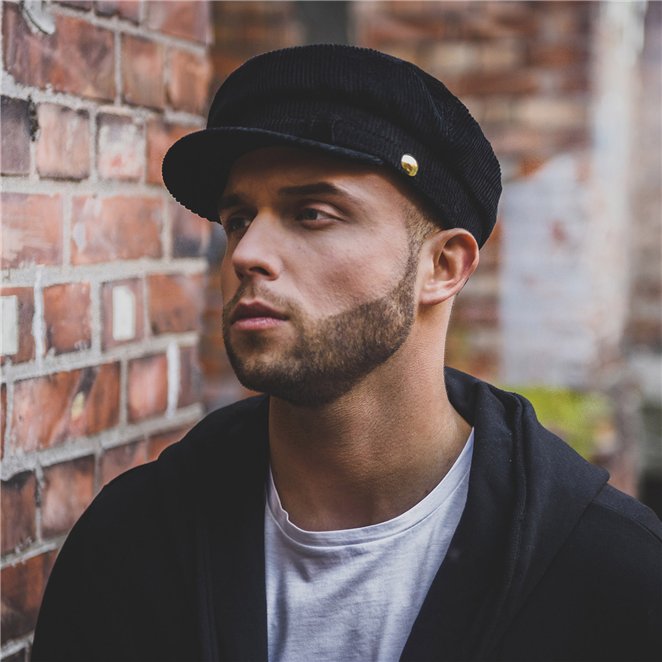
{"x": 409, "y": 164}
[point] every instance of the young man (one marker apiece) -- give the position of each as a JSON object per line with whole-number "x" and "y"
{"x": 371, "y": 506}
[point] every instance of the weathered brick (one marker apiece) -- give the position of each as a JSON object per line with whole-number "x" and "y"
{"x": 128, "y": 9}
{"x": 77, "y": 58}
{"x": 127, "y": 302}
{"x": 15, "y": 135}
{"x": 190, "y": 232}
{"x": 31, "y": 229}
{"x": 159, "y": 442}
{"x": 189, "y": 20}
{"x": 478, "y": 83}
{"x": 175, "y": 303}
{"x": 148, "y": 387}
{"x": 122, "y": 458}
{"x": 188, "y": 82}
{"x": 160, "y": 136}
{"x": 190, "y": 377}
{"x": 81, "y": 402}
{"x": 22, "y": 590}
{"x": 19, "y": 506}
{"x": 25, "y": 305}
{"x": 121, "y": 147}
{"x": 541, "y": 54}
{"x": 63, "y": 147}
{"x": 142, "y": 72}
{"x": 67, "y": 317}
{"x": 476, "y": 310}
{"x": 67, "y": 490}
{"x": 115, "y": 228}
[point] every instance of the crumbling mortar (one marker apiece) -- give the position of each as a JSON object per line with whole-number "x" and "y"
{"x": 37, "y": 549}
{"x": 86, "y": 359}
{"x": 124, "y": 389}
{"x": 106, "y": 440}
{"x": 95, "y": 315}
{"x": 102, "y": 272}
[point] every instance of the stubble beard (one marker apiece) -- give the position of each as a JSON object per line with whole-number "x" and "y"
{"x": 329, "y": 356}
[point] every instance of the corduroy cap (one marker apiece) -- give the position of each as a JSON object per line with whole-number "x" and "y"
{"x": 351, "y": 102}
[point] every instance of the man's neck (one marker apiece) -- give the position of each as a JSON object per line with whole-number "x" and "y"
{"x": 368, "y": 456}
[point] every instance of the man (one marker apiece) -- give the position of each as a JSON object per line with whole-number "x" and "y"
{"x": 371, "y": 506}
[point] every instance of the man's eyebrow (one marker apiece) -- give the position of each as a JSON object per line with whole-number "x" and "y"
{"x": 321, "y": 188}
{"x": 227, "y": 201}
{"x": 317, "y": 188}
{"x": 312, "y": 189}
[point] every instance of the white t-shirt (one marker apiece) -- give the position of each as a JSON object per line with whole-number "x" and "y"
{"x": 354, "y": 594}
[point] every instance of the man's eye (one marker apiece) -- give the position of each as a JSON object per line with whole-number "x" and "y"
{"x": 311, "y": 214}
{"x": 236, "y": 223}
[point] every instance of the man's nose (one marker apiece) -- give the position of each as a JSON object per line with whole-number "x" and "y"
{"x": 255, "y": 253}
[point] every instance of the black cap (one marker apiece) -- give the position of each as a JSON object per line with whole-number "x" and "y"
{"x": 350, "y": 102}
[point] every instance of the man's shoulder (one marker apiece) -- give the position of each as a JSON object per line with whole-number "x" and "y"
{"x": 620, "y": 532}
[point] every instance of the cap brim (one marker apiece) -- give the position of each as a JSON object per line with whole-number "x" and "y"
{"x": 196, "y": 167}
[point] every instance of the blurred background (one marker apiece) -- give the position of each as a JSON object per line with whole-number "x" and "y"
{"x": 111, "y": 339}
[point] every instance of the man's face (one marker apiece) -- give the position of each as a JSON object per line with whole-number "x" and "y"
{"x": 319, "y": 273}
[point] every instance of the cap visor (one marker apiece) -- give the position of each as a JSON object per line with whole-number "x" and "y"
{"x": 196, "y": 167}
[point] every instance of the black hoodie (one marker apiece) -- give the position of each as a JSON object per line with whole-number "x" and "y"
{"x": 547, "y": 563}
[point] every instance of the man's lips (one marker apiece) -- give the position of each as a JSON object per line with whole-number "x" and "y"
{"x": 250, "y": 315}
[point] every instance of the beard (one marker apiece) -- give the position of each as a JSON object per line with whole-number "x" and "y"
{"x": 329, "y": 356}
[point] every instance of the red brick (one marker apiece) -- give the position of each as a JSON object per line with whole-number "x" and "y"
{"x": 189, "y": 20}
{"x": 148, "y": 386}
{"x": 122, "y": 458}
{"x": 120, "y": 148}
{"x": 99, "y": 409}
{"x": 22, "y": 590}
{"x": 63, "y": 147}
{"x": 77, "y": 58}
{"x": 18, "y": 511}
{"x": 15, "y": 132}
{"x": 68, "y": 489}
{"x": 175, "y": 303}
{"x": 158, "y": 443}
{"x": 67, "y": 317}
{"x": 107, "y": 313}
{"x": 548, "y": 55}
{"x": 190, "y": 232}
{"x": 80, "y": 402}
{"x": 142, "y": 72}
{"x": 160, "y": 136}
{"x": 476, "y": 310}
{"x": 520, "y": 82}
{"x": 31, "y": 229}
{"x": 115, "y": 228}
{"x": 128, "y": 9}
{"x": 188, "y": 83}
{"x": 190, "y": 377}
{"x": 25, "y": 297}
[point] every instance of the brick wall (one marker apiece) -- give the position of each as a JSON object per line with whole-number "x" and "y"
{"x": 102, "y": 274}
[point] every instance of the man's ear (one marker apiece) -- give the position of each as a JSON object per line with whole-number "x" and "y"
{"x": 449, "y": 257}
